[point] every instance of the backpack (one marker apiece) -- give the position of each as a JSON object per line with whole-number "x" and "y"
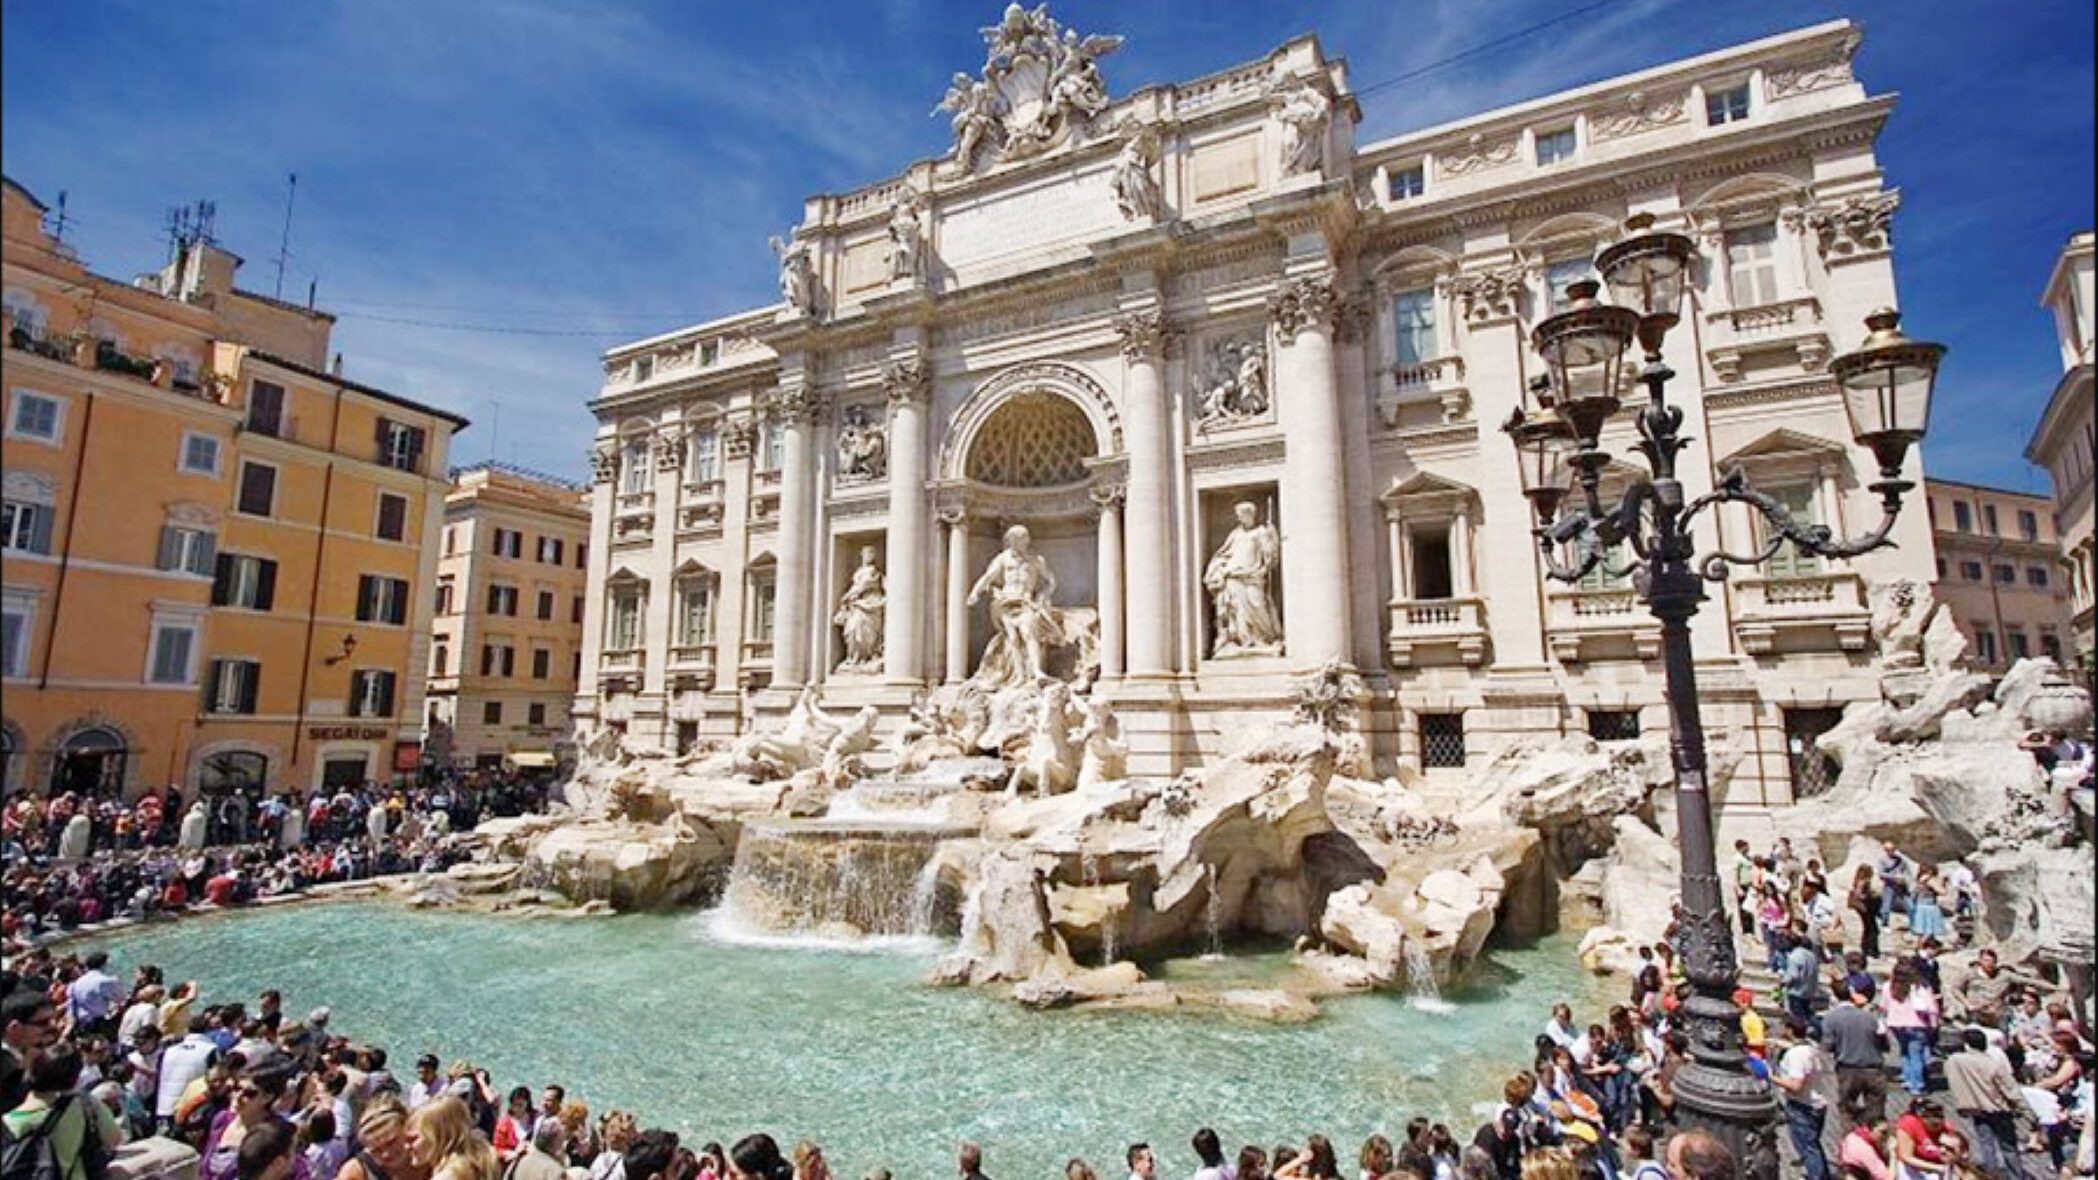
{"x": 32, "y": 1157}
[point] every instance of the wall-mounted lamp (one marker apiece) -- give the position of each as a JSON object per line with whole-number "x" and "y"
{"x": 349, "y": 648}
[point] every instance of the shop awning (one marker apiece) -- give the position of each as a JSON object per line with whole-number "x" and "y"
{"x": 530, "y": 759}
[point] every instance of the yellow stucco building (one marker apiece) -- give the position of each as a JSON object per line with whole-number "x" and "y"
{"x": 214, "y": 562}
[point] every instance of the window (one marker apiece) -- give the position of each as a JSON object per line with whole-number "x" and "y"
{"x": 1963, "y": 516}
{"x": 382, "y": 599}
{"x": 687, "y": 736}
{"x": 244, "y": 581}
{"x": 174, "y": 643}
{"x": 1408, "y": 182}
{"x": 258, "y": 489}
{"x": 1813, "y": 772}
{"x": 492, "y": 713}
{"x": 772, "y": 446}
{"x": 1559, "y": 276}
{"x": 695, "y": 612}
{"x": 1725, "y": 105}
{"x": 445, "y": 589}
{"x": 2028, "y": 525}
{"x": 535, "y": 713}
{"x": 1790, "y": 561}
{"x": 2006, "y": 575}
{"x": 1970, "y": 570}
{"x": 542, "y": 663}
{"x": 1442, "y": 739}
{"x": 498, "y": 659}
{"x": 2050, "y": 646}
{"x": 623, "y": 621}
{"x": 371, "y": 692}
{"x": 1941, "y": 569}
{"x": 1751, "y": 262}
{"x": 502, "y": 600}
{"x": 575, "y": 609}
{"x": 633, "y": 468}
{"x": 400, "y": 445}
{"x": 644, "y": 367}
{"x": 1988, "y": 520}
{"x": 266, "y": 408}
{"x": 1613, "y": 725}
{"x": 1556, "y": 146}
{"x": 233, "y": 686}
{"x": 451, "y": 540}
{"x": 190, "y": 550}
{"x": 393, "y": 517}
{"x": 763, "y": 598}
{"x": 508, "y": 543}
{"x": 1431, "y": 565}
{"x": 582, "y": 555}
{"x": 1414, "y": 312}
{"x": 440, "y": 660}
{"x": 1985, "y": 642}
{"x": 546, "y": 605}
{"x": 36, "y": 417}
{"x": 550, "y": 551}
{"x": 2036, "y": 577}
{"x": 2020, "y": 649}
{"x": 14, "y": 637}
{"x": 25, "y": 527}
{"x": 702, "y": 457}
{"x": 200, "y": 454}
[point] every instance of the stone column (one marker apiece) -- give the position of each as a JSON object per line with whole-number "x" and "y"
{"x": 957, "y": 527}
{"x": 1314, "y": 502}
{"x": 658, "y": 609}
{"x": 795, "y": 407}
{"x": 1109, "y": 498}
{"x": 604, "y": 470}
{"x": 1148, "y": 604}
{"x": 907, "y": 382}
{"x": 1509, "y": 574}
{"x": 1352, "y": 320}
{"x": 1401, "y": 581}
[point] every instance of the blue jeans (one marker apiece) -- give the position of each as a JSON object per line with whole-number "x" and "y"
{"x": 1914, "y": 1044}
{"x": 1996, "y": 1146}
{"x": 1803, "y": 1007}
{"x": 1805, "y": 1123}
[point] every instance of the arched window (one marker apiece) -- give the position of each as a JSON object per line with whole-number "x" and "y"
{"x": 90, "y": 762}
{"x": 1035, "y": 440}
{"x": 233, "y": 770}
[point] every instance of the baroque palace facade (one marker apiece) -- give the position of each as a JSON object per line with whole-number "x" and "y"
{"x": 1241, "y": 379}
{"x": 216, "y": 574}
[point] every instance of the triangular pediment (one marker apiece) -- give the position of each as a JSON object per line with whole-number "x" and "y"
{"x": 1427, "y": 483}
{"x": 1784, "y": 443}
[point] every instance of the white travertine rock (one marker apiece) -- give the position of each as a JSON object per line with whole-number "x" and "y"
{"x": 634, "y": 866}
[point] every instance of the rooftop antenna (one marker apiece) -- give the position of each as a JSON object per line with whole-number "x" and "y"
{"x": 291, "y": 192}
{"x": 495, "y": 426}
{"x": 59, "y": 220}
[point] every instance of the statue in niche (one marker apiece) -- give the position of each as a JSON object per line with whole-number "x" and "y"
{"x": 1136, "y": 190}
{"x": 906, "y": 239}
{"x": 859, "y": 615}
{"x": 976, "y": 108}
{"x": 797, "y": 274}
{"x": 1304, "y": 112}
{"x": 1235, "y": 382}
{"x": 1237, "y": 580}
{"x": 863, "y": 447}
{"x": 1020, "y": 585}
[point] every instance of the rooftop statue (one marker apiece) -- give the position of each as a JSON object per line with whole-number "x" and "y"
{"x": 1040, "y": 82}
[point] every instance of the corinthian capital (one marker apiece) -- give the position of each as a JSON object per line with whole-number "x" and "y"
{"x": 1145, "y": 334}
{"x": 1302, "y": 304}
{"x": 907, "y": 379}
{"x": 794, "y": 405}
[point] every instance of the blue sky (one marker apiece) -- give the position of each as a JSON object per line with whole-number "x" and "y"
{"x": 608, "y": 171}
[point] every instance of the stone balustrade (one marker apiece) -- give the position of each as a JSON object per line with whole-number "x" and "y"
{"x": 1438, "y": 631}
{"x": 1812, "y": 612}
{"x": 1609, "y": 623}
{"x": 1788, "y": 334}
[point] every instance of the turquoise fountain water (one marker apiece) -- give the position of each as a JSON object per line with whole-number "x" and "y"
{"x": 659, "y": 1015}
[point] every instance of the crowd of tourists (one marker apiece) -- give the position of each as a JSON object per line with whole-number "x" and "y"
{"x": 120, "y": 861}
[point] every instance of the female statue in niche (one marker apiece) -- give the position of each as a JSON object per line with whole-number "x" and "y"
{"x": 1237, "y": 580}
{"x": 859, "y": 615}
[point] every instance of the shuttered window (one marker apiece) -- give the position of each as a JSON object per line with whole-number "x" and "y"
{"x": 244, "y": 581}
{"x": 190, "y": 550}
{"x": 371, "y": 692}
{"x": 382, "y": 600}
{"x": 234, "y": 686}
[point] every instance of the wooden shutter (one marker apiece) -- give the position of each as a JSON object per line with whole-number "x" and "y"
{"x": 250, "y": 686}
{"x": 415, "y": 448}
{"x": 206, "y": 555}
{"x": 385, "y": 694}
{"x": 265, "y": 584}
{"x": 211, "y": 685}
{"x": 222, "y": 580}
{"x": 367, "y": 589}
{"x": 397, "y": 609}
{"x": 164, "y": 558}
{"x": 40, "y": 517}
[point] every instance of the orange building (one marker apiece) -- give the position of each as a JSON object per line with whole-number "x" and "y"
{"x": 214, "y": 563}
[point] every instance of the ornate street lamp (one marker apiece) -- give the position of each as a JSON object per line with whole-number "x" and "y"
{"x": 1886, "y": 387}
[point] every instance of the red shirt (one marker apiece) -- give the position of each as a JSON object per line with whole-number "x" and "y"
{"x": 219, "y": 889}
{"x": 1920, "y": 1134}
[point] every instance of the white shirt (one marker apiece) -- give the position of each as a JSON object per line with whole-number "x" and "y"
{"x": 1799, "y": 1064}
{"x": 418, "y": 1093}
{"x": 180, "y": 1064}
{"x": 136, "y": 1017}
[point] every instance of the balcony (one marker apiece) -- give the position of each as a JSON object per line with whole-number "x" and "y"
{"x": 700, "y": 508}
{"x": 691, "y": 667}
{"x": 1787, "y": 334}
{"x": 1610, "y": 623}
{"x": 619, "y": 669}
{"x": 1811, "y": 612}
{"x": 633, "y": 517}
{"x": 1435, "y": 386}
{"x": 1438, "y": 631}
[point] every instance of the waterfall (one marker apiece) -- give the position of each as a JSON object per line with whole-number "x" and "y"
{"x": 1089, "y": 874}
{"x": 1213, "y": 915}
{"x": 1422, "y": 994}
{"x": 830, "y": 883}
